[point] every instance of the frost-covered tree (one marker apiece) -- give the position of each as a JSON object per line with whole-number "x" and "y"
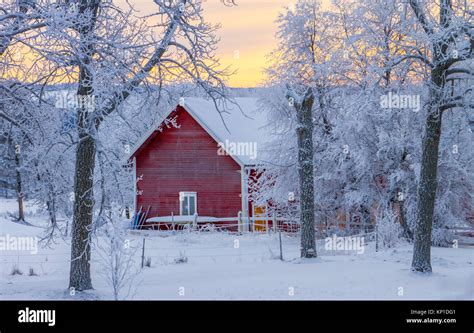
{"x": 370, "y": 159}
{"x": 18, "y": 18}
{"x": 107, "y": 54}
{"x": 394, "y": 58}
{"x": 117, "y": 256}
{"x": 127, "y": 58}
{"x": 450, "y": 38}
{"x": 42, "y": 153}
{"x": 303, "y": 64}
{"x": 379, "y": 141}
{"x": 20, "y": 131}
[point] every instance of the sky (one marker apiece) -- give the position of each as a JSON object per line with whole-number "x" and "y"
{"x": 247, "y": 34}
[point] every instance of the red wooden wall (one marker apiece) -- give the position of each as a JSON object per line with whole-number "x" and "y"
{"x": 186, "y": 159}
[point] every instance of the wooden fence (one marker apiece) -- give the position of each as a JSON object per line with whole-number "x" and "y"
{"x": 241, "y": 223}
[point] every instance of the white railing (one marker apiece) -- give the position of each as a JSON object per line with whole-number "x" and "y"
{"x": 243, "y": 223}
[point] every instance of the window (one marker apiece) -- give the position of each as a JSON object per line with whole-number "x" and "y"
{"x": 187, "y": 203}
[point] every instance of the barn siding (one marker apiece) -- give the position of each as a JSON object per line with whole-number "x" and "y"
{"x": 185, "y": 159}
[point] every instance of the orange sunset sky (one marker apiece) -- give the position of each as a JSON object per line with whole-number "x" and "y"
{"x": 247, "y": 30}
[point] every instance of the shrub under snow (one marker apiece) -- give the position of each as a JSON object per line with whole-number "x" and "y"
{"x": 388, "y": 229}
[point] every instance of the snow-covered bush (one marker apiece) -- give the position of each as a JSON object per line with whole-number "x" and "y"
{"x": 182, "y": 258}
{"x": 117, "y": 260}
{"x": 16, "y": 271}
{"x": 208, "y": 227}
{"x": 441, "y": 235}
{"x": 388, "y": 229}
{"x": 148, "y": 262}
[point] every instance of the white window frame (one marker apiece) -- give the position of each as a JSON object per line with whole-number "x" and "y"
{"x": 181, "y": 200}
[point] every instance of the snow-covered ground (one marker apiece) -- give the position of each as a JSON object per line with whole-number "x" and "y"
{"x": 227, "y": 266}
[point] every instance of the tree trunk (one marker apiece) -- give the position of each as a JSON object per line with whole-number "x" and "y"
{"x": 19, "y": 189}
{"x": 79, "y": 277}
{"x": 428, "y": 178}
{"x": 305, "y": 173}
{"x": 51, "y": 206}
{"x": 87, "y": 125}
{"x": 407, "y": 233}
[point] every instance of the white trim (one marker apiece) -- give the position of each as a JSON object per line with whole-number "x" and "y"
{"x": 244, "y": 194}
{"x": 242, "y": 197}
{"x": 182, "y": 194}
{"x": 134, "y": 162}
{"x": 194, "y": 115}
{"x": 216, "y": 138}
{"x": 147, "y": 134}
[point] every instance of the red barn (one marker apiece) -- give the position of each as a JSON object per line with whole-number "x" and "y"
{"x": 196, "y": 160}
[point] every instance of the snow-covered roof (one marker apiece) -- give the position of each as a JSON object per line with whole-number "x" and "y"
{"x": 243, "y": 132}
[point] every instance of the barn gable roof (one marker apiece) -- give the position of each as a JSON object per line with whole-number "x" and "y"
{"x": 247, "y": 125}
